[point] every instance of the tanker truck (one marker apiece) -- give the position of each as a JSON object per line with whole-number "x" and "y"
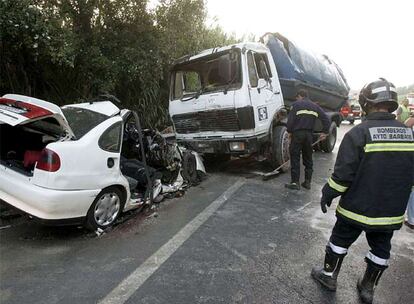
{"x": 234, "y": 100}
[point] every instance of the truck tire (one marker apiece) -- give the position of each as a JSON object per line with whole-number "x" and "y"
{"x": 280, "y": 148}
{"x": 329, "y": 143}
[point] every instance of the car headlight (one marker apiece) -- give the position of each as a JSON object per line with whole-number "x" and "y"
{"x": 237, "y": 146}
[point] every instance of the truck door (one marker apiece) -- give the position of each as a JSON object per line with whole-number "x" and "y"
{"x": 260, "y": 87}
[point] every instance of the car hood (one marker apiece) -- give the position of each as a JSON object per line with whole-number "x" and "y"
{"x": 18, "y": 110}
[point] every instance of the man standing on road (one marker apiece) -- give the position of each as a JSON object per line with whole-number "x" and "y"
{"x": 374, "y": 173}
{"x": 301, "y": 121}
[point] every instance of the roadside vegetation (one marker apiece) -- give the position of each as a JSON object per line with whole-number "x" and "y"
{"x": 403, "y": 91}
{"x": 67, "y": 51}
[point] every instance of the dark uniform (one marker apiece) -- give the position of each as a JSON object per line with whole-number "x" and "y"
{"x": 373, "y": 174}
{"x": 300, "y": 124}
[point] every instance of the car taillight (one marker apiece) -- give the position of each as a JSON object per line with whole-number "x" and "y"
{"x": 49, "y": 161}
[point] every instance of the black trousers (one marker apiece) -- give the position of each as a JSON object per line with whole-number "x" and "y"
{"x": 301, "y": 143}
{"x": 344, "y": 234}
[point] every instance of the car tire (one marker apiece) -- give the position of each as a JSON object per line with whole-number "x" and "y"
{"x": 351, "y": 122}
{"x": 329, "y": 143}
{"x": 280, "y": 148}
{"x": 105, "y": 209}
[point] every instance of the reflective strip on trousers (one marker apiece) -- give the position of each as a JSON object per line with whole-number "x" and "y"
{"x": 389, "y": 147}
{"x": 307, "y": 112}
{"x": 371, "y": 221}
{"x": 377, "y": 260}
{"x": 336, "y": 186}
{"x": 337, "y": 249}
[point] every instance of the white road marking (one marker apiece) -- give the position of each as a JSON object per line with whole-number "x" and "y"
{"x": 129, "y": 285}
{"x": 303, "y": 207}
{"x": 232, "y": 250}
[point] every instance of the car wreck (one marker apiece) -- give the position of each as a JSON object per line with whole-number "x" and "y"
{"x": 85, "y": 163}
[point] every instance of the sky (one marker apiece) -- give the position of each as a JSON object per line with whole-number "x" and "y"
{"x": 367, "y": 38}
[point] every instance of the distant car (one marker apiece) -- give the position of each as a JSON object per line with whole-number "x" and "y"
{"x": 63, "y": 164}
{"x": 351, "y": 112}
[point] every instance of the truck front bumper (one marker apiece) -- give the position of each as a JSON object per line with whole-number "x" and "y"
{"x": 246, "y": 145}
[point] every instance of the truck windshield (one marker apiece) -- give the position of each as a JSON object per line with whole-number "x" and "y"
{"x": 216, "y": 72}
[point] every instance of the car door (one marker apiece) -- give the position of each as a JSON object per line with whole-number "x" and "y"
{"x": 110, "y": 150}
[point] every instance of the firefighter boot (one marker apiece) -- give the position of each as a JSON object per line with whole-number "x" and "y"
{"x": 367, "y": 284}
{"x": 328, "y": 274}
{"x": 306, "y": 184}
{"x": 293, "y": 186}
{"x": 308, "y": 178}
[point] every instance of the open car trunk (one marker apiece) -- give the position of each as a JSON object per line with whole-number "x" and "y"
{"x": 22, "y": 145}
{"x": 27, "y": 126}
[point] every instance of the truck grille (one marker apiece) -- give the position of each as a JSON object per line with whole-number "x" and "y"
{"x": 218, "y": 120}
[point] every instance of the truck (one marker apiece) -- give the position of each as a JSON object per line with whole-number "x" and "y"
{"x": 234, "y": 100}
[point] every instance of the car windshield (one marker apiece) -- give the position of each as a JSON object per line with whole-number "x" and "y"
{"x": 81, "y": 121}
{"x": 217, "y": 72}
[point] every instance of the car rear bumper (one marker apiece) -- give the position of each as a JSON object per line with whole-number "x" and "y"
{"x": 45, "y": 204}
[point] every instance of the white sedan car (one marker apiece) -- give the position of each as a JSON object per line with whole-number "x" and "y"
{"x": 63, "y": 164}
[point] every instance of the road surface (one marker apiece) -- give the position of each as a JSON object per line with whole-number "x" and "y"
{"x": 233, "y": 239}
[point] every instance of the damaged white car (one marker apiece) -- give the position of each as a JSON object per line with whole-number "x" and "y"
{"x": 72, "y": 164}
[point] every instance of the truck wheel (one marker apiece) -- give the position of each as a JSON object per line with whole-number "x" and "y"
{"x": 280, "y": 148}
{"x": 329, "y": 143}
{"x": 105, "y": 209}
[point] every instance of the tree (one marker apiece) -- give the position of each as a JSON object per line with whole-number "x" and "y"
{"x": 67, "y": 51}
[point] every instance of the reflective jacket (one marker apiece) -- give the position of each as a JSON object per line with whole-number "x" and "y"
{"x": 374, "y": 173}
{"x": 303, "y": 115}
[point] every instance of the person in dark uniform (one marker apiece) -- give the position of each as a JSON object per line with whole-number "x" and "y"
{"x": 373, "y": 175}
{"x": 300, "y": 124}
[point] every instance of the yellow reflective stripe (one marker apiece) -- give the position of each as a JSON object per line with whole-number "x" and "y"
{"x": 381, "y": 221}
{"x": 384, "y": 147}
{"x": 307, "y": 112}
{"x": 336, "y": 186}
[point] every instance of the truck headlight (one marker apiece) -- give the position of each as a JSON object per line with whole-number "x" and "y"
{"x": 237, "y": 146}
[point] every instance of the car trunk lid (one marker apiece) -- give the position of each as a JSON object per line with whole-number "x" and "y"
{"x": 18, "y": 110}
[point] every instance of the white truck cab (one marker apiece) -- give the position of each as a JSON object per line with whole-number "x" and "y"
{"x": 228, "y": 100}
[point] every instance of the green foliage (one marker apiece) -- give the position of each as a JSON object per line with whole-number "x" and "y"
{"x": 67, "y": 51}
{"x": 403, "y": 91}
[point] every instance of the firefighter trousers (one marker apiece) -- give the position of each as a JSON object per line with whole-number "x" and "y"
{"x": 301, "y": 143}
{"x": 344, "y": 234}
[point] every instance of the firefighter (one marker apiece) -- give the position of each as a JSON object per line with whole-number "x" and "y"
{"x": 300, "y": 125}
{"x": 373, "y": 174}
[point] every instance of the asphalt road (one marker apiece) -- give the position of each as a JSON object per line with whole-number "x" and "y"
{"x": 233, "y": 239}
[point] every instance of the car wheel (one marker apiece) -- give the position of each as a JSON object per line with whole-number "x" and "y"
{"x": 280, "y": 148}
{"x": 329, "y": 143}
{"x": 105, "y": 209}
{"x": 351, "y": 122}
